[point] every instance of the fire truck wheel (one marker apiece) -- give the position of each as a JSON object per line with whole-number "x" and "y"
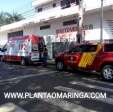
{"x": 23, "y": 61}
{"x": 1, "y": 58}
{"x": 60, "y": 66}
{"x": 107, "y": 72}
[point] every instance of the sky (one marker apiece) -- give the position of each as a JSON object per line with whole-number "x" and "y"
{"x": 19, "y": 6}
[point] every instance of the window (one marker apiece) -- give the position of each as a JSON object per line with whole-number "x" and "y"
{"x": 4, "y": 48}
{"x": 70, "y": 22}
{"x": 78, "y": 2}
{"x": 108, "y": 48}
{"x": 44, "y": 27}
{"x": 72, "y": 1}
{"x": 34, "y": 47}
{"x": 84, "y": 48}
{"x": 14, "y": 34}
{"x": 88, "y": 48}
{"x": 75, "y": 49}
{"x": 39, "y": 9}
{"x": 54, "y": 4}
{"x": 65, "y": 4}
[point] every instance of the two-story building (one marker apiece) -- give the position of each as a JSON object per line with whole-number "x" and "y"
{"x": 56, "y": 21}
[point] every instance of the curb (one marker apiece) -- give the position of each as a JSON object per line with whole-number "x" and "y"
{"x": 51, "y": 62}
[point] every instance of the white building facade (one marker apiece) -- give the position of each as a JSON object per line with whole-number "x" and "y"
{"x": 57, "y": 22}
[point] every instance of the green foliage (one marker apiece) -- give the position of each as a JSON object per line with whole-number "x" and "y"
{"x": 7, "y": 18}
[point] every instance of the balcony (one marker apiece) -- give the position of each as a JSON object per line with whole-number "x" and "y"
{"x": 40, "y": 2}
{"x": 42, "y": 17}
{"x": 55, "y": 13}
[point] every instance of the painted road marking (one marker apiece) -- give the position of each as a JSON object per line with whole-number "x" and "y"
{"x": 66, "y": 89}
{"x": 28, "y": 76}
{"x": 10, "y": 107}
{"x": 100, "y": 82}
{"x": 91, "y": 86}
{"x": 68, "y": 106}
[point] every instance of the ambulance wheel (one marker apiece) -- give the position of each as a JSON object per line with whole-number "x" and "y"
{"x": 23, "y": 61}
{"x": 107, "y": 72}
{"x": 60, "y": 66}
{"x": 1, "y": 59}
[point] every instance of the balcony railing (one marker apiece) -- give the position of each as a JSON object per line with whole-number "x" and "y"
{"x": 43, "y": 17}
{"x": 56, "y": 13}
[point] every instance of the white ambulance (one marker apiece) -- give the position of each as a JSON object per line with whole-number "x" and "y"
{"x": 24, "y": 49}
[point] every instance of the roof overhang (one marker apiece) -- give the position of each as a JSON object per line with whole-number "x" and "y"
{"x": 40, "y": 2}
{"x": 106, "y": 8}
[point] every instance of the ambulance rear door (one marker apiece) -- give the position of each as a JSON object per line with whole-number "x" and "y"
{"x": 37, "y": 42}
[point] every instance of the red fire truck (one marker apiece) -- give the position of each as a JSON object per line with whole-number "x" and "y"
{"x": 24, "y": 49}
{"x": 88, "y": 57}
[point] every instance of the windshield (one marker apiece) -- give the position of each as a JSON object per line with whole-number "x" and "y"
{"x": 34, "y": 47}
{"x": 108, "y": 47}
{"x": 88, "y": 48}
{"x": 84, "y": 48}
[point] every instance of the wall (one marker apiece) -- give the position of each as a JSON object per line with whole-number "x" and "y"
{"x": 94, "y": 4}
{"x": 95, "y": 20}
{"x": 51, "y": 36}
{"x": 3, "y": 39}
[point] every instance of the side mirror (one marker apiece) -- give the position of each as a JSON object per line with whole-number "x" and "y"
{"x": 3, "y": 50}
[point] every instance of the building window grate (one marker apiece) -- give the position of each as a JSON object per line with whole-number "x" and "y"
{"x": 45, "y": 27}
{"x": 70, "y": 22}
{"x": 65, "y": 4}
{"x": 14, "y": 34}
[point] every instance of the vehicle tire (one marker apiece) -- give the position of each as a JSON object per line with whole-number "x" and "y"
{"x": 23, "y": 61}
{"x": 60, "y": 66}
{"x": 1, "y": 59}
{"x": 107, "y": 72}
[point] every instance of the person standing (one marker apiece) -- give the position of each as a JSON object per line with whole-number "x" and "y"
{"x": 41, "y": 47}
{"x": 45, "y": 55}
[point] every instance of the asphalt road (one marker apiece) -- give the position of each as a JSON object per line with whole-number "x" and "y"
{"x": 17, "y": 78}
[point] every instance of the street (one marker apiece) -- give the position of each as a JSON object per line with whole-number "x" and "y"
{"x": 35, "y": 78}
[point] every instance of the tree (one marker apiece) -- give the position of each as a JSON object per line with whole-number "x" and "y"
{"x": 7, "y": 18}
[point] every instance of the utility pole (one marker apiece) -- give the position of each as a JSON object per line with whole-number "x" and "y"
{"x": 80, "y": 22}
{"x": 101, "y": 22}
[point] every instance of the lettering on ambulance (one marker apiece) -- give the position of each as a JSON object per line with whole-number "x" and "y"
{"x": 23, "y": 47}
{"x": 87, "y": 59}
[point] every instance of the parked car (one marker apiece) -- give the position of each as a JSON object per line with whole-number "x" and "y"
{"x": 88, "y": 57}
{"x": 24, "y": 49}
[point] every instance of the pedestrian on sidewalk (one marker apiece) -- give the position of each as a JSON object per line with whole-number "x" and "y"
{"x": 41, "y": 47}
{"x": 45, "y": 55}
